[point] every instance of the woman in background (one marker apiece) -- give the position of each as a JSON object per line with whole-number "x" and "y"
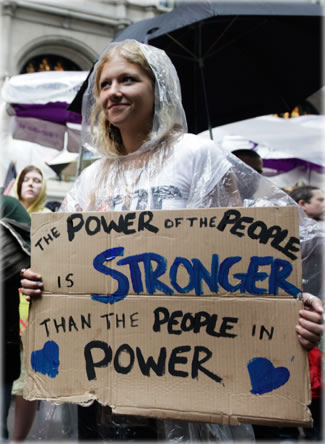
{"x": 30, "y": 190}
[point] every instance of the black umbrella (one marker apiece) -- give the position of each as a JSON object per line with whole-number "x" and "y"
{"x": 237, "y": 60}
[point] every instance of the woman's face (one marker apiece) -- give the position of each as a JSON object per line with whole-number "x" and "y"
{"x": 31, "y": 187}
{"x": 127, "y": 96}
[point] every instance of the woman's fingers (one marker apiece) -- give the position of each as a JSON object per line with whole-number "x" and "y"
{"x": 309, "y": 331}
{"x": 28, "y": 273}
{"x": 31, "y": 283}
{"x": 310, "y": 324}
{"x": 313, "y": 302}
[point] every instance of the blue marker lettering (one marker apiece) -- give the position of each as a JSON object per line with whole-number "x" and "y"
{"x": 200, "y": 272}
{"x": 280, "y": 270}
{"x": 151, "y": 275}
{"x": 123, "y": 282}
{"x": 225, "y": 265}
{"x": 253, "y": 275}
{"x": 173, "y": 274}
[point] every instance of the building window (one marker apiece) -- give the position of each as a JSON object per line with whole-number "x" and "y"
{"x": 166, "y": 4}
{"x": 48, "y": 62}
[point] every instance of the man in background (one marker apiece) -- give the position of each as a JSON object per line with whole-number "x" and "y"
{"x": 311, "y": 199}
{"x": 251, "y": 158}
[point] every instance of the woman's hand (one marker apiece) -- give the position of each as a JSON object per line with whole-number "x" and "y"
{"x": 31, "y": 283}
{"x": 310, "y": 324}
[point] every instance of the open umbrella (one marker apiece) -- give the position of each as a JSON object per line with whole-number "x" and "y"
{"x": 237, "y": 60}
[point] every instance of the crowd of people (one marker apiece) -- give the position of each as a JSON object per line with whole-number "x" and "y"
{"x": 133, "y": 116}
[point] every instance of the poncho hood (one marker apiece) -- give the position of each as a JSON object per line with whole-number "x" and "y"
{"x": 169, "y": 116}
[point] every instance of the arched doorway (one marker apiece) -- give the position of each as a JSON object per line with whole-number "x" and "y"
{"x": 49, "y": 62}
{"x": 59, "y": 54}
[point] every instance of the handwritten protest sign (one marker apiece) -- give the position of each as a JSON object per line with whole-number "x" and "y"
{"x": 184, "y": 314}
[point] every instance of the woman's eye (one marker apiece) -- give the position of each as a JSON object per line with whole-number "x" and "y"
{"x": 104, "y": 84}
{"x": 128, "y": 79}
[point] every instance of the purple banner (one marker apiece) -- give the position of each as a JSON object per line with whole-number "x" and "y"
{"x": 52, "y": 111}
{"x": 285, "y": 165}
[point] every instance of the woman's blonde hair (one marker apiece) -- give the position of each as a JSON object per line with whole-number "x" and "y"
{"x": 107, "y": 136}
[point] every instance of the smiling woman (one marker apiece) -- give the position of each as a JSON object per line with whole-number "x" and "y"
{"x": 133, "y": 116}
{"x": 126, "y": 96}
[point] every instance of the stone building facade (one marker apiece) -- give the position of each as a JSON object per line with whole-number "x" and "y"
{"x": 43, "y": 34}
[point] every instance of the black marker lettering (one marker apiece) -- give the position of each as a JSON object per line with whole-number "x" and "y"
{"x": 129, "y": 221}
{"x": 111, "y": 226}
{"x": 124, "y": 348}
{"x": 55, "y": 233}
{"x": 72, "y": 324}
{"x": 84, "y": 322}
{"x": 58, "y": 326}
{"x": 158, "y": 367}
{"x": 161, "y": 317}
{"x": 134, "y": 320}
{"x": 96, "y": 225}
{"x": 169, "y": 223}
{"x": 230, "y": 217}
{"x": 239, "y": 226}
{"x": 145, "y": 217}
{"x": 108, "y": 322}
{"x": 197, "y": 364}
{"x": 174, "y": 360}
{"x": 45, "y": 325}
{"x": 90, "y": 364}
{"x": 74, "y": 228}
{"x": 120, "y": 321}
{"x": 191, "y": 220}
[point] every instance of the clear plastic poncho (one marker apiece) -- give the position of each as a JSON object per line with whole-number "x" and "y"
{"x": 173, "y": 170}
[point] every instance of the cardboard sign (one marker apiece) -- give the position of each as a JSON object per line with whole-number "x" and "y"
{"x": 186, "y": 314}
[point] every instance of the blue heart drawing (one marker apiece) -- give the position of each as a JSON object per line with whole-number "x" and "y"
{"x": 46, "y": 360}
{"x": 265, "y": 377}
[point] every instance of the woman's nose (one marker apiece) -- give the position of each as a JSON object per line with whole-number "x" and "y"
{"x": 115, "y": 88}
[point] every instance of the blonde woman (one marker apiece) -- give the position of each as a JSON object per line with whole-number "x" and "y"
{"x": 133, "y": 116}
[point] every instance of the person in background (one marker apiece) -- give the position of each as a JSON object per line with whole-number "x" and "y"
{"x": 15, "y": 254}
{"x": 30, "y": 189}
{"x": 248, "y": 188}
{"x": 133, "y": 115}
{"x": 251, "y": 158}
{"x": 311, "y": 199}
{"x": 53, "y": 205}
